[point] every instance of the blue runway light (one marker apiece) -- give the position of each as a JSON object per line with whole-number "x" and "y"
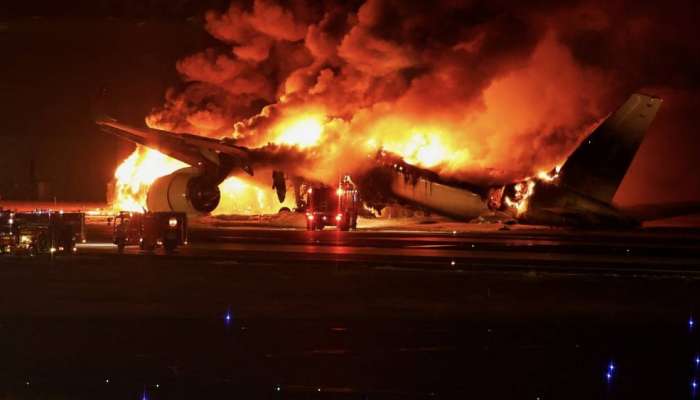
{"x": 691, "y": 322}
{"x": 694, "y": 384}
{"x": 228, "y": 318}
{"x": 697, "y": 360}
{"x": 610, "y": 371}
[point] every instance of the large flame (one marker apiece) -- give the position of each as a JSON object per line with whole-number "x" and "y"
{"x": 304, "y": 131}
{"x": 239, "y": 195}
{"x": 135, "y": 175}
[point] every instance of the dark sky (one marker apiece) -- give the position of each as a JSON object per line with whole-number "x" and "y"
{"x": 55, "y": 62}
{"x": 58, "y": 56}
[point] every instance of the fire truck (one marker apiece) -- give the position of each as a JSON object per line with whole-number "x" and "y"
{"x": 149, "y": 230}
{"x": 44, "y": 232}
{"x": 328, "y": 206}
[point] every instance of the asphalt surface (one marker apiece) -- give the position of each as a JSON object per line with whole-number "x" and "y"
{"x": 279, "y": 313}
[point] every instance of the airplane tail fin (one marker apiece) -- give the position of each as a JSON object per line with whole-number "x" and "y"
{"x": 596, "y": 168}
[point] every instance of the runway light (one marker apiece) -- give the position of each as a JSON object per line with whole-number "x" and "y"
{"x": 697, "y": 360}
{"x": 610, "y": 371}
{"x": 691, "y": 322}
{"x": 228, "y": 318}
{"x": 694, "y": 384}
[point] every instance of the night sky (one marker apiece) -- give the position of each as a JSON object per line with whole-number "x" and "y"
{"x": 58, "y": 58}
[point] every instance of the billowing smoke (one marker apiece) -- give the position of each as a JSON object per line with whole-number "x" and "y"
{"x": 479, "y": 90}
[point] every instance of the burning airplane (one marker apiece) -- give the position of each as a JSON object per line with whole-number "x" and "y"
{"x": 580, "y": 192}
{"x": 434, "y": 106}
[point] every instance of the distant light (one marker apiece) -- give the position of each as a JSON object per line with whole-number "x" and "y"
{"x": 697, "y": 360}
{"x": 26, "y": 383}
{"x": 278, "y": 388}
{"x": 691, "y": 322}
{"x": 52, "y": 250}
{"x": 608, "y": 375}
{"x": 172, "y": 222}
{"x": 107, "y": 380}
{"x": 454, "y": 232}
{"x": 611, "y": 366}
{"x": 318, "y": 390}
{"x": 473, "y": 246}
{"x": 339, "y": 191}
{"x": 157, "y": 385}
{"x": 452, "y": 263}
{"x": 694, "y": 384}
{"x": 339, "y": 217}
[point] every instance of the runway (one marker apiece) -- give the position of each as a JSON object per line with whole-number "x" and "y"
{"x": 548, "y": 250}
{"x": 280, "y": 313}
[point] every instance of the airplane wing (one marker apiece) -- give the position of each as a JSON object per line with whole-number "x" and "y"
{"x": 207, "y": 154}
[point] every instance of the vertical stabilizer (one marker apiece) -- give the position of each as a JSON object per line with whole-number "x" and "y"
{"x": 596, "y": 168}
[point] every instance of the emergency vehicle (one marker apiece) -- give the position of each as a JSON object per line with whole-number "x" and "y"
{"x": 149, "y": 230}
{"x": 327, "y": 206}
{"x": 44, "y": 232}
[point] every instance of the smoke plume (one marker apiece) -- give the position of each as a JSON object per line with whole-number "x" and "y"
{"x": 486, "y": 91}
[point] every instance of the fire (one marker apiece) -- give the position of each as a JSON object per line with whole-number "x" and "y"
{"x": 138, "y": 171}
{"x": 523, "y": 191}
{"x": 243, "y": 197}
{"x": 422, "y": 148}
{"x": 135, "y": 175}
{"x": 304, "y": 131}
{"x": 549, "y": 176}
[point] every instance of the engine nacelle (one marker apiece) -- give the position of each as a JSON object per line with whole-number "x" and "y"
{"x": 184, "y": 191}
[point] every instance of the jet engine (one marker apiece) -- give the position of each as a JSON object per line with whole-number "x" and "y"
{"x": 185, "y": 190}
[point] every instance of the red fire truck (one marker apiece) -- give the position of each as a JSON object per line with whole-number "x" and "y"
{"x": 328, "y": 206}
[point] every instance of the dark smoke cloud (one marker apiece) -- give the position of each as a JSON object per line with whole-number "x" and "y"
{"x": 511, "y": 87}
